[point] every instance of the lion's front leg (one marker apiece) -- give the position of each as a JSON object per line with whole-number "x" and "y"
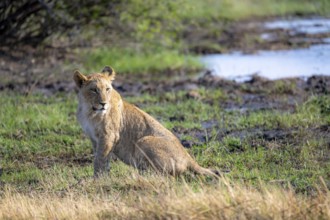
{"x": 102, "y": 156}
{"x": 94, "y": 144}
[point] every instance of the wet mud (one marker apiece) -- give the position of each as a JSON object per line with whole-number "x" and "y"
{"x": 258, "y": 34}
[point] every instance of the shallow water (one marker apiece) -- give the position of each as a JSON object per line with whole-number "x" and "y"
{"x": 271, "y": 64}
{"x": 277, "y": 64}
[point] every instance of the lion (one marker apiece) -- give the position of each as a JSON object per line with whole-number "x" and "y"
{"x": 135, "y": 137}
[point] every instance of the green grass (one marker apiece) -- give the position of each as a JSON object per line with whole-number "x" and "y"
{"x": 136, "y": 61}
{"x": 40, "y": 138}
{"x": 242, "y": 9}
{"x": 38, "y": 126}
{"x": 45, "y": 159}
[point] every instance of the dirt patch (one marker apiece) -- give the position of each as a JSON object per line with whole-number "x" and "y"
{"x": 318, "y": 84}
{"x": 256, "y": 137}
{"x": 30, "y": 70}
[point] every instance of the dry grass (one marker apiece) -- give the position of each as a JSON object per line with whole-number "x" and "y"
{"x": 155, "y": 197}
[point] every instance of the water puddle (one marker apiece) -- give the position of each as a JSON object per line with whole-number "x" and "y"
{"x": 271, "y": 64}
{"x": 303, "y": 62}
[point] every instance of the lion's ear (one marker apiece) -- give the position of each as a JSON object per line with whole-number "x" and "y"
{"x": 79, "y": 78}
{"x": 110, "y": 72}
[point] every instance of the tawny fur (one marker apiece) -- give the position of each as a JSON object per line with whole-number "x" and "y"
{"x": 115, "y": 126}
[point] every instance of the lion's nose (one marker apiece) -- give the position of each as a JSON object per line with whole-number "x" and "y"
{"x": 103, "y": 103}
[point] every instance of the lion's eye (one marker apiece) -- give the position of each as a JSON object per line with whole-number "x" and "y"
{"x": 107, "y": 89}
{"x": 94, "y": 90}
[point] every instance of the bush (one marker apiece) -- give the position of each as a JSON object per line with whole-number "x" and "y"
{"x": 32, "y": 21}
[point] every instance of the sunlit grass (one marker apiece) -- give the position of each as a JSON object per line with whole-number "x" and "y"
{"x": 133, "y": 61}
{"x": 158, "y": 197}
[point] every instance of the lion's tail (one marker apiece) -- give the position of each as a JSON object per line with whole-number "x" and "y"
{"x": 194, "y": 167}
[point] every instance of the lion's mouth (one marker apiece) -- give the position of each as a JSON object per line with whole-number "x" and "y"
{"x": 99, "y": 109}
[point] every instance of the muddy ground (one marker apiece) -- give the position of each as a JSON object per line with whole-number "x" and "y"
{"x": 42, "y": 70}
{"x": 246, "y": 36}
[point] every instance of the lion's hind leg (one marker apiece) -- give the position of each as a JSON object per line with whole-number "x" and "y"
{"x": 162, "y": 155}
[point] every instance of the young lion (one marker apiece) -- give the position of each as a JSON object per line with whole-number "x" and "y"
{"x": 114, "y": 125}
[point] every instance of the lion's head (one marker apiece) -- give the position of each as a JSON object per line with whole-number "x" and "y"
{"x": 95, "y": 90}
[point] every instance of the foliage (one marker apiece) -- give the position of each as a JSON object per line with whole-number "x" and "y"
{"x": 156, "y": 23}
{"x": 32, "y": 21}
{"x": 25, "y": 21}
{"x": 151, "y": 23}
